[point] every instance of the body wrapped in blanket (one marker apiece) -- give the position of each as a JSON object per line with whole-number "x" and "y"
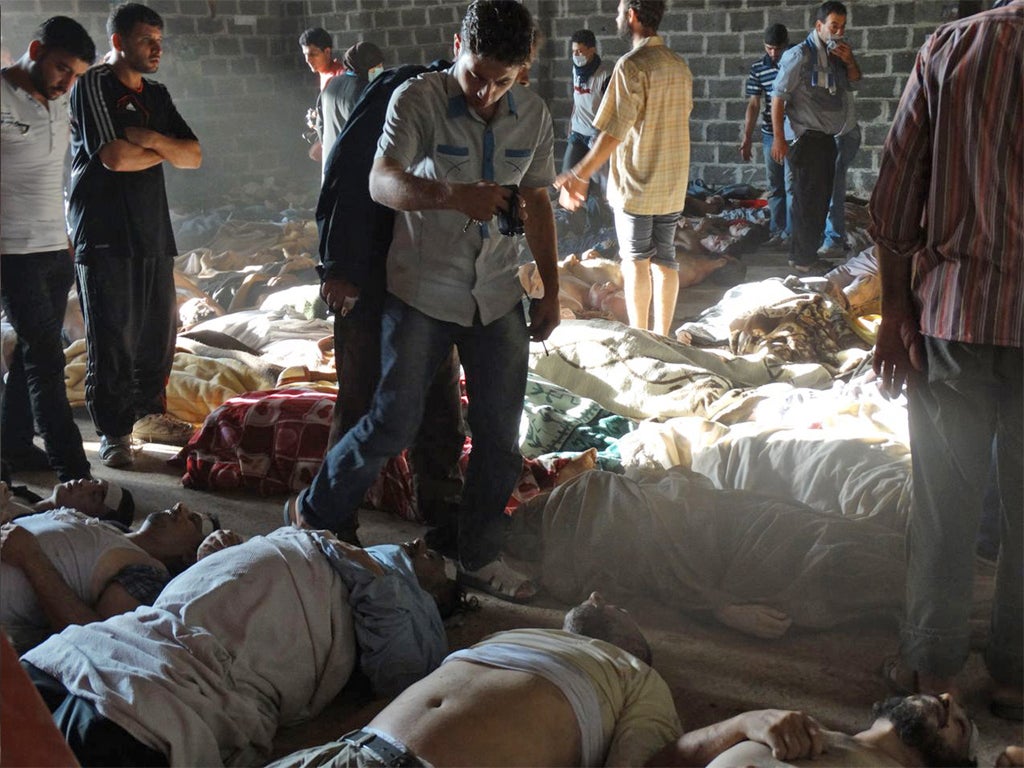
{"x": 759, "y": 563}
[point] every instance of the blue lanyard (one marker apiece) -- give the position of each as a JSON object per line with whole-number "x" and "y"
{"x": 830, "y": 78}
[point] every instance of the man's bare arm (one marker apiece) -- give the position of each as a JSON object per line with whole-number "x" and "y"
{"x": 122, "y": 156}
{"x": 779, "y": 146}
{"x": 540, "y": 235}
{"x": 60, "y": 604}
{"x": 749, "y": 121}
{"x": 790, "y": 736}
{"x": 576, "y": 180}
{"x": 898, "y": 345}
{"x": 181, "y": 153}
{"x": 393, "y": 186}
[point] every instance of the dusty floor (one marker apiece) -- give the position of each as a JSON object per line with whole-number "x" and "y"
{"x": 713, "y": 672}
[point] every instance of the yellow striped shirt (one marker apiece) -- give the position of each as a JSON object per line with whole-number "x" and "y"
{"x": 647, "y": 107}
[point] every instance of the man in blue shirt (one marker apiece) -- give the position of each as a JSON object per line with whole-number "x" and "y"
{"x": 809, "y": 109}
{"x": 759, "y": 86}
{"x": 452, "y": 142}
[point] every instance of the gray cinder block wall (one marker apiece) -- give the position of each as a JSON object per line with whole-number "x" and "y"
{"x": 235, "y": 71}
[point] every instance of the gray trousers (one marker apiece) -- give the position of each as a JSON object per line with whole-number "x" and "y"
{"x": 968, "y": 399}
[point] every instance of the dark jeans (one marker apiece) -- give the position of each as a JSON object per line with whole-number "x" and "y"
{"x": 34, "y": 288}
{"x": 813, "y": 161}
{"x": 131, "y": 321}
{"x": 438, "y": 443}
{"x": 413, "y": 346}
{"x": 970, "y": 395}
{"x": 94, "y": 739}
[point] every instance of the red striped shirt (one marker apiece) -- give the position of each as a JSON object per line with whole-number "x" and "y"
{"x": 950, "y": 189}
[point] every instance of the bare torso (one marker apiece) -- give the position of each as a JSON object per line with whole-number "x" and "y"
{"x": 472, "y": 714}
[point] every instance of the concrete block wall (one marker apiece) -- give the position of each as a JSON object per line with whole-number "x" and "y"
{"x": 235, "y": 71}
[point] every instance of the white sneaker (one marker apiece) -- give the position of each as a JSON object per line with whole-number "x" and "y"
{"x": 162, "y": 428}
{"x": 116, "y": 451}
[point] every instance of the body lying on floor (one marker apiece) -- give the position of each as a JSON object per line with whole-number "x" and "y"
{"x": 251, "y": 638}
{"x": 63, "y": 567}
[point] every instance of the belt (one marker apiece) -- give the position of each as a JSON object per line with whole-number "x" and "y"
{"x": 382, "y": 749}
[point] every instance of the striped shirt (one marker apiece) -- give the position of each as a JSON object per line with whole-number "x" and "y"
{"x": 759, "y": 83}
{"x": 647, "y": 108}
{"x": 950, "y": 190}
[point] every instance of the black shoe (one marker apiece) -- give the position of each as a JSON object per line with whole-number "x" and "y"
{"x": 31, "y": 458}
{"x": 444, "y": 539}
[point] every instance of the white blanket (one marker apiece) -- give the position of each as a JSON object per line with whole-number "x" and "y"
{"x": 252, "y": 638}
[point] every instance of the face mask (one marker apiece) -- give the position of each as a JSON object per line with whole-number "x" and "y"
{"x": 579, "y": 60}
{"x": 372, "y": 74}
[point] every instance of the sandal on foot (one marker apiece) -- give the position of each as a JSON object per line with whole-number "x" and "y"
{"x": 292, "y": 516}
{"x": 498, "y": 579}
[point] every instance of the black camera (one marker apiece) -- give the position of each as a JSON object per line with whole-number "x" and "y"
{"x": 510, "y": 223}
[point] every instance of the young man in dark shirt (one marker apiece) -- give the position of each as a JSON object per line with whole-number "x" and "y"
{"x": 124, "y": 127}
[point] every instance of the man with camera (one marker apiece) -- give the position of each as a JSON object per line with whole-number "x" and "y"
{"x": 810, "y": 102}
{"x": 453, "y": 143}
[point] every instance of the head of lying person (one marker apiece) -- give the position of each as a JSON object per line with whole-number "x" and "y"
{"x": 95, "y": 498}
{"x": 436, "y": 575}
{"x": 935, "y": 727}
{"x": 173, "y": 536}
{"x": 603, "y": 621}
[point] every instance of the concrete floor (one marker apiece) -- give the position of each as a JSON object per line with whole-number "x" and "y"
{"x": 714, "y": 672}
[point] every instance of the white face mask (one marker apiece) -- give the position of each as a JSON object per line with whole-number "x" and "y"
{"x": 579, "y": 60}
{"x": 372, "y": 73}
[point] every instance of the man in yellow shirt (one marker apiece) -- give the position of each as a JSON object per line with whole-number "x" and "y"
{"x": 644, "y": 130}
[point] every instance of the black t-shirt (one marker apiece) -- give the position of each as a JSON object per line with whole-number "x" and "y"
{"x": 119, "y": 212}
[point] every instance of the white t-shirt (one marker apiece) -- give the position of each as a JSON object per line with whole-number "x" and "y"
{"x": 33, "y": 145}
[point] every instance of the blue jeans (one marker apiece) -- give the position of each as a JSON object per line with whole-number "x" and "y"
{"x": 780, "y": 192}
{"x": 643, "y": 237}
{"x": 413, "y": 346}
{"x": 847, "y": 146}
{"x": 970, "y": 395}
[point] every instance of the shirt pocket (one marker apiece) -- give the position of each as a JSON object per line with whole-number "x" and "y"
{"x": 517, "y": 161}
{"x": 453, "y": 161}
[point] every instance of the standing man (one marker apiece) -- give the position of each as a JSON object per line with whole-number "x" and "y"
{"x": 451, "y": 141}
{"x": 317, "y": 50}
{"x": 362, "y": 63}
{"x": 35, "y": 261}
{"x": 847, "y": 146}
{"x": 809, "y": 109}
{"x": 645, "y": 130}
{"x": 948, "y": 217}
{"x": 124, "y": 127}
{"x": 759, "y": 86}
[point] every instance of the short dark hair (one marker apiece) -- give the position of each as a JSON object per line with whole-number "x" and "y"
{"x": 594, "y": 621}
{"x": 827, "y": 9}
{"x": 317, "y": 36}
{"x": 63, "y": 34}
{"x": 502, "y": 30}
{"x": 584, "y": 37}
{"x": 648, "y": 12}
{"x": 123, "y": 18}
{"x": 776, "y": 35}
{"x": 125, "y": 512}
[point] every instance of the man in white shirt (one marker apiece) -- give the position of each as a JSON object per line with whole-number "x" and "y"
{"x": 37, "y": 268}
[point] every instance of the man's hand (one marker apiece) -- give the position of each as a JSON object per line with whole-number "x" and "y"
{"x": 899, "y": 350}
{"x": 480, "y": 201}
{"x": 572, "y": 190}
{"x": 789, "y": 735}
{"x": 780, "y": 148}
{"x": 545, "y": 315}
{"x": 843, "y": 52}
{"x": 335, "y": 291}
{"x": 745, "y": 152}
{"x": 216, "y": 541}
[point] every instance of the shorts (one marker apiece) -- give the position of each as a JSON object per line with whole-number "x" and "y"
{"x": 643, "y": 237}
